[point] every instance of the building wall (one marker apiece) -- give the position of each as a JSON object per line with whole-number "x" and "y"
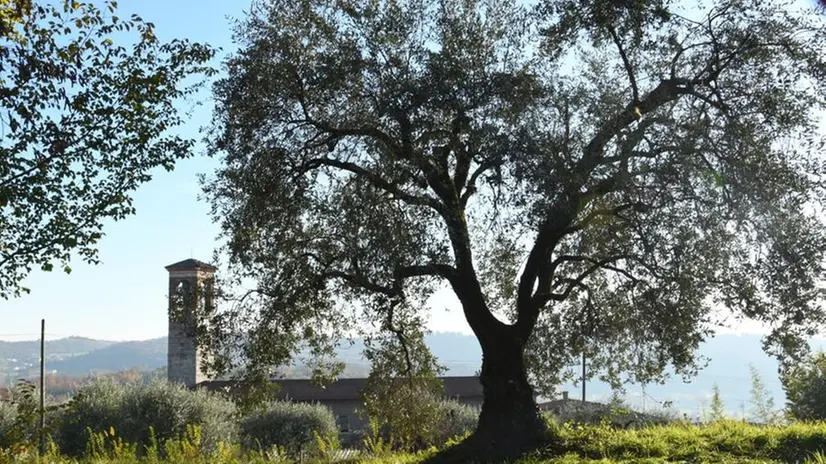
{"x": 347, "y": 409}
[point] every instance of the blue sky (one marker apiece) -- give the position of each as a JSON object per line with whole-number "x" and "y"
{"x": 124, "y": 298}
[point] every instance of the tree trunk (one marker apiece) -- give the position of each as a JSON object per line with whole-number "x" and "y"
{"x": 509, "y": 424}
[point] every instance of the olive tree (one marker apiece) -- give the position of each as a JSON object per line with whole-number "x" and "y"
{"x": 87, "y": 108}
{"x": 584, "y": 175}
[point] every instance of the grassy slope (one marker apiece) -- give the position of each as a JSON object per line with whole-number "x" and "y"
{"x": 722, "y": 442}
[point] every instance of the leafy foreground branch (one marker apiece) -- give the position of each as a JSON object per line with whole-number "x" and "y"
{"x": 89, "y": 105}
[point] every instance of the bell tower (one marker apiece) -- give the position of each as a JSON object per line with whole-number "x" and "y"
{"x": 190, "y": 292}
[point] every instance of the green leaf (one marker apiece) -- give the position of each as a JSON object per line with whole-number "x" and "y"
{"x": 47, "y": 267}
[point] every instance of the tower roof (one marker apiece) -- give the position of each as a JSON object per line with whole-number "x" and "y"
{"x": 191, "y": 265}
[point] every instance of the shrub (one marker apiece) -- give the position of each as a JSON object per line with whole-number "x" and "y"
{"x": 96, "y": 406}
{"x": 717, "y": 410}
{"x": 169, "y": 408}
{"x": 403, "y": 393}
{"x": 762, "y": 403}
{"x": 20, "y": 416}
{"x": 455, "y": 420}
{"x": 805, "y": 387}
{"x": 615, "y": 415}
{"x": 8, "y": 414}
{"x": 295, "y": 427}
{"x": 132, "y": 409}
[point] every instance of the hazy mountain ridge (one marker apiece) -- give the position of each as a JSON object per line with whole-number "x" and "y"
{"x": 730, "y": 356}
{"x": 145, "y": 355}
{"x": 30, "y": 349}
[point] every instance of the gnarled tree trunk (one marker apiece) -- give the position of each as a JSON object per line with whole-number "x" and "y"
{"x": 510, "y": 424}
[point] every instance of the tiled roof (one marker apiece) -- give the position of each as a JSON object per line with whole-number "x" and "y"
{"x": 190, "y": 265}
{"x": 349, "y": 389}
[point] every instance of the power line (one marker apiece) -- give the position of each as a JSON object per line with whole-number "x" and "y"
{"x": 37, "y": 335}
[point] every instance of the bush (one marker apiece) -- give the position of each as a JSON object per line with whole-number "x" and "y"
{"x": 404, "y": 412}
{"x": 8, "y": 414}
{"x": 291, "y": 426}
{"x": 170, "y": 408}
{"x": 450, "y": 420}
{"x": 455, "y": 420}
{"x": 96, "y": 406}
{"x": 132, "y": 409}
{"x": 805, "y": 387}
{"x": 20, "y": 416}
{"x": 615, "y": 415}
{"x": 403, "y": 393}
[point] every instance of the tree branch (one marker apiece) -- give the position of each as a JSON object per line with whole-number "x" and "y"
{"x": 593, "y": 215}
{"x": 360, "y": 282}
{"x": 628, "y": 69}
{"x": 483, "y": 167}
{"x": 395, "y": 290}
{"x": 541, "y": 298}
{"x": 376, "y": 180}
{"x": 439, "y": 181}
{"x": 444, "y": 271}
{"x": 399, "y": 333}
{"x": 557, "y": 223}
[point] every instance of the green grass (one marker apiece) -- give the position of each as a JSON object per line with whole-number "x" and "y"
{"x": 721, "y": 442}
{"x": 715, "y": 442}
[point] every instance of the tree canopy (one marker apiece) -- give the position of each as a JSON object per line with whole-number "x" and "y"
{"x": 598, "y": 176}
{"x": 84, "y": 121}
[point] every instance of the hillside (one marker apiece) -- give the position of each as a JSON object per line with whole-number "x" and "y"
{"x": 20, "y": 359}
{"x": 144, "y": 355}
{"x": 70, "y": 346}
{"x": 729, "y": 358}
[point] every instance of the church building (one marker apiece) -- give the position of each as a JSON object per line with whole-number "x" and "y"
{"x": 184, "y": 357}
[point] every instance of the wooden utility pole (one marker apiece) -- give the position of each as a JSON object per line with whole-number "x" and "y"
{"x": 583, "y": 375}
{"x": 42, "y": 387}
{"x": 643, "y": 398}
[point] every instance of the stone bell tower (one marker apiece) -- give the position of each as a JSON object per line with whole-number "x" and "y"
{"x": 190, "y": 290}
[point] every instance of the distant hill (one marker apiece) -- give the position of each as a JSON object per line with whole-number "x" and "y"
{"x": 730, "y": 356}
{"x": 21, "y": 359}
{"x": 30, "y": 349}
{"x": 144, "y": 355}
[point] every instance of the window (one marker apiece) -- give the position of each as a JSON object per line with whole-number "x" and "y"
{"x": 343, "y": 423}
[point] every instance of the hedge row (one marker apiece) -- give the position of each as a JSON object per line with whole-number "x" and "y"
{"x": 131, "y": 410}
{"x": 167, "y": 409}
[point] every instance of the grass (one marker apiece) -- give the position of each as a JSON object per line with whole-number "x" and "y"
{"x": 719, "y": 442}
{"x": 714, "y": 442}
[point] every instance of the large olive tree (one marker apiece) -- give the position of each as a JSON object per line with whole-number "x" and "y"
{"x": 87, "y": 108}
{"x": 599, "y": 176}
